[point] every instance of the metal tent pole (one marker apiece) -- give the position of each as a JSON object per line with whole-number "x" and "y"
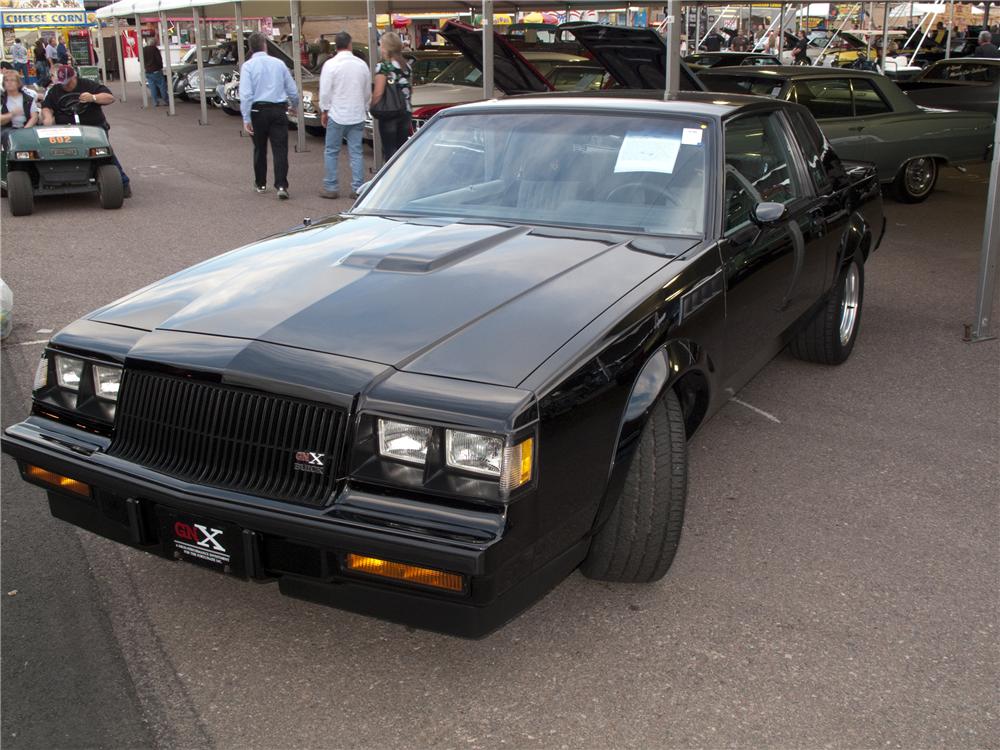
{"x": 142, "y": 66}
{"x": 868, "y": 36}
{"x": 672, "y": 70}
{"x": 982, "y": 330}
{"x": 781, "y": 33}
{"x": 121, "y": 58}
{"x": 373, "y": 52}
{"x": 697, "y": 28}
{"x": 196, "y": 14}
{"x": 951, "y": 25}
{"x": 241, "y": 54}
{"x": 300, "y": 133}
{"x": 885, "y": 37}
{"x": 488, "y": 49}
{"x": 100, "y": 52}
{"x": 167, "y": 64}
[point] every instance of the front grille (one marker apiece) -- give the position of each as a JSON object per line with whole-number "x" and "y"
{"x": 230, "y": 438}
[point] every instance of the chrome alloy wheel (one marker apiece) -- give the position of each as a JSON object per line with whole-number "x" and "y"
{"x": 849, "y": 304}
{"x": 919, "y": 176}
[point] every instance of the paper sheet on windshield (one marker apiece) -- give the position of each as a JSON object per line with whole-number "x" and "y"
{"x": 645, "y": 152}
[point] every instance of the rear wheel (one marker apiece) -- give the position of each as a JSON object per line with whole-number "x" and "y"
{"x": 916, "y": 179}
{"x": 20, "y": 194}
{"x": 109, "y": 186}
{"x": 638, "y": 542}
{"x": 829, "y": 336}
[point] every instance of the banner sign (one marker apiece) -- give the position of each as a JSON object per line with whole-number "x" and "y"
{"x": 14, "y": 18}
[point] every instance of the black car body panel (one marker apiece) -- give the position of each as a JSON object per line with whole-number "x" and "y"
{"x": 565, "y": 336}
{"x": 635, "y": 58}
{"x": 968, "y": 83}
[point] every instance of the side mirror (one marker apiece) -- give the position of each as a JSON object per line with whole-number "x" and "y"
{"x": 363, "y": 189}
{"x": 768, "y": 213}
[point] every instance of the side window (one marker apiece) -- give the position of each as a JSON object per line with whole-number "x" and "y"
{"x": 867, "y": 100}
{"x": 826, "y": 98}
{"x": 758, "y": 166}
{"x": 811, "y": 143}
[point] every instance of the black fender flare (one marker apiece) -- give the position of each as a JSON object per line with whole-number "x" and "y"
{"x": 855, "y": 238}
{"x": 660, "y": 372}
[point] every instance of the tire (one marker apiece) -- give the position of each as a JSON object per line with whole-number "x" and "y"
{"x": 638, "y": 542}
{"x": 828, "y": 338}
{"x": 916, "y": 179}
{"x": 20, "y": 193}
{"x": 109, "y": 186}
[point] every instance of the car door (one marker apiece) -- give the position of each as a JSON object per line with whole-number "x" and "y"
{"x": 829, "y": 99}
{"x": 766, "y": 268}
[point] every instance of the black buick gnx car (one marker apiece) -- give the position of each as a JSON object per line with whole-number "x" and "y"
{"x": 435, "y": 407}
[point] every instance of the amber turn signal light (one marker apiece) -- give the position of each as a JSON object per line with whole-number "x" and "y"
{"x": 56, "y": 480}
{"x": 373, "y": 566}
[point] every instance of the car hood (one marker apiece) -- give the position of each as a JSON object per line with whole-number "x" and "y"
{"x": 634, "y": 57}
{"x": 512, "y": 73}
{"x": 482, "y": 302}
{"x": 429, "y": 94}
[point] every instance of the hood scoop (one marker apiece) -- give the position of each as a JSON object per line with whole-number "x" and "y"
{"x": 429, "y": 249}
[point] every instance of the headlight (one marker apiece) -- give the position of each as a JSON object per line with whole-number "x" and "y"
{"x": 69, "y": 372}
{"x": 107, "y": 381}
{"x": 482, "y": 454}
{"x": 402, "y": 441}
{"x": 99, "y": 151}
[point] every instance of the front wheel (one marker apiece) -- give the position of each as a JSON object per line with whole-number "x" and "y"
{"x": 829, "y": 336}
{"x": 640, "y": 538}
{"x": 916, "y": 179}
{"x": 109, "y": 186}
{"x": 20, "y": 193}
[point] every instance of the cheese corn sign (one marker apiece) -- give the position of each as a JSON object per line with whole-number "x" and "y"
{"x": 37, "y": 13}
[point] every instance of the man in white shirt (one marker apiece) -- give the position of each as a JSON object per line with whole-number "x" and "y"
{"x": 345, "y": 88}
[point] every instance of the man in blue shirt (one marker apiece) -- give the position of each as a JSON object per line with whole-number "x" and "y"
{"x": 266, "y": 91}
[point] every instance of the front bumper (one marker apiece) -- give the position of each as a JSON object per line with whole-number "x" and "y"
{"x": 302, "y": 547}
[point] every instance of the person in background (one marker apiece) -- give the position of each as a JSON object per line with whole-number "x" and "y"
{"x": 266, "y": 91}
{"x": 323, "y": 54}
{"x": 41, "y": 64}
{"x": 393, "y": 70}
{"x": 152, "y": 62}
{"x": 51, "y": 53}
{"x": 712, "y": 42}
{"x": 90, "y": 92}
{"x": 19, "y": 56}
{"x": 19, "y": 104}
{"x": 800, "y": 52}
{"x": 739, "y": 42}
{"x": 345, "y": 85}
{"x": 62, "y": 53}
{"x": 986, "y": 47}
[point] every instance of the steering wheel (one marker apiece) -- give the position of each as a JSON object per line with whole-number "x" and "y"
{"x": 71, "y": 104}
{"x": 642, "y": 188}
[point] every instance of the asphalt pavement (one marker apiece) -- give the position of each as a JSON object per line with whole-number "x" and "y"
{"x": 836, "y": 585}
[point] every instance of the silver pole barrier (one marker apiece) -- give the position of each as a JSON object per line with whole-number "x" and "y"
{"x": 488, "y": 49}
{"x": 142, "y": 64}
{"x": 100, "y": 52}
{"x": 167, "y": 63}
{"x": 241, "y": 54}
{"x": 201, "y": 65}
{"x": 951, "y": 25}
{"x": 672, "y": 72}
{"x": 300, "y": 133}
{"x": 121, "y": 58}
{"x": 373, "y": 53}
{"x": 988, "y": 268}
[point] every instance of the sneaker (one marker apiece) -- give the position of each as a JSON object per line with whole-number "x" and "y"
{"x": 283, "y": 194}
{"x": 329, "y": 194}
{"x": 260, "y": 188}
{"x": 127, "y": 190}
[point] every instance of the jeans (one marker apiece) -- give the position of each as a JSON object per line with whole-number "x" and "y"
{"x": 157, "y": 83}
{"x": 21, "y": 68}
{"x": 270, "y": 125}
{"x": 41, "y": 70}
{"x": 335, "y": 134}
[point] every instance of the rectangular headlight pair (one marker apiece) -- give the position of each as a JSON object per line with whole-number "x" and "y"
{"x": 474, "y": 452}
{"x": 69, "y": 374}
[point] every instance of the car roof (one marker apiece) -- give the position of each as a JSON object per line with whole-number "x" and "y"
{"x": 792, "y": 72}
{"x": 707, "y": 104}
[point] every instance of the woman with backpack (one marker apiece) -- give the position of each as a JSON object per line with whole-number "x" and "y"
{"x": 390, "y": 103}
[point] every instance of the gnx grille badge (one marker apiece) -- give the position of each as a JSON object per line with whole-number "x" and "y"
{"x": 310, "y": 462}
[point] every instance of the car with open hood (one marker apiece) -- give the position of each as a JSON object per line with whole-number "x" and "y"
{"x": 434, "y": 407}
{"x": 868, "y": 118}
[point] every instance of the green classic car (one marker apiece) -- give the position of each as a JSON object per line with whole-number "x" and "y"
{"x": 866, "y": 117}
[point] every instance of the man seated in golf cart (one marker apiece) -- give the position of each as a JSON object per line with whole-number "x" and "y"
{"x": 89, "y": 97}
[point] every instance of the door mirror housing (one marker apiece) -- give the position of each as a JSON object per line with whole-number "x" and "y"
{"x": 364, "y": 188}
{"x": 768, "y": 213}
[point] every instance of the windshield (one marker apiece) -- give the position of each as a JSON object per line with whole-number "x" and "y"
{"x": 758, "y": 86}
{"x": 461, "y": 73}
{"x": 606, "y": 171}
